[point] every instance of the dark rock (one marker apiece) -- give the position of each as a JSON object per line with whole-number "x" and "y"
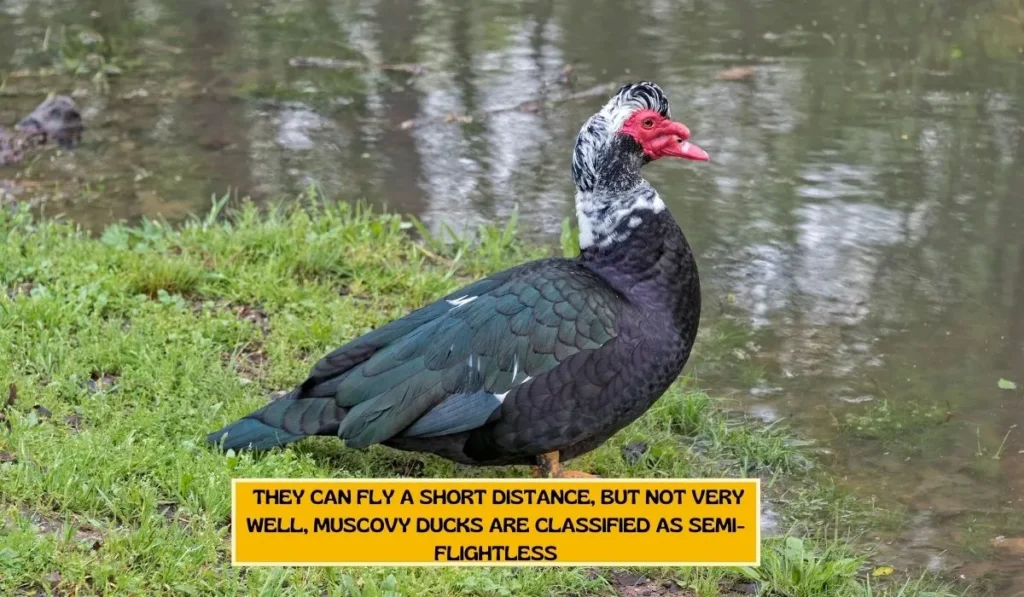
{"x": 56, "y": 118}
{"x": 623, "y": 578}
{"x": 634, "y": 452}
{"x": 99, "y": 382}
{"x": 73, "y": 421}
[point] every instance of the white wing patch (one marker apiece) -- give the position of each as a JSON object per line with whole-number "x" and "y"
{"x": 462, "y": 300}
{"x": 515, "y": 384}
{"x": 501, "y": 396}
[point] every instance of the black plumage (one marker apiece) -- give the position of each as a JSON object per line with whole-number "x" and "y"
{"x": 538, "y": 363}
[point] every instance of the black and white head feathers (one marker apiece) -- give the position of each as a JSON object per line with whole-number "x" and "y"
{"x": 609, "y": 190}
{"x": 600, "y": 129}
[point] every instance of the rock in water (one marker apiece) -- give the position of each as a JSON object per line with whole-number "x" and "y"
{"x": 56, "y": 118}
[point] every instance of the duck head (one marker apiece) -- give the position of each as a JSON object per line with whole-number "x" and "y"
{"x": 632, "y": 130}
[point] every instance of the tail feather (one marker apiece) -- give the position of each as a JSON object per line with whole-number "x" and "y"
{"x": 281, "y": 422}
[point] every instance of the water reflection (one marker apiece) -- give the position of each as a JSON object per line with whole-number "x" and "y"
{"x": 860, "y": 220}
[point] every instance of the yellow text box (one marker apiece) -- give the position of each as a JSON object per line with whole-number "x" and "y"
{"x": 494, "y": 522}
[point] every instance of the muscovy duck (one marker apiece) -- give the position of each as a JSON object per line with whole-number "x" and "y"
{"x": 539, "y": 363}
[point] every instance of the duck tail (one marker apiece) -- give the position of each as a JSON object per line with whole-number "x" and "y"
{"x": 281, "y": 422}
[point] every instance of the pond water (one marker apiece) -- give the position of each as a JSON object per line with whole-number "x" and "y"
{"x": 859, "y": 228}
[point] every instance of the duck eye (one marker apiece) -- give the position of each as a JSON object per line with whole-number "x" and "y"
{"x": 648, "y": 123}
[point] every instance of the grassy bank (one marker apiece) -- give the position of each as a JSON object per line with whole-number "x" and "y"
{"x": 122, "y": 351}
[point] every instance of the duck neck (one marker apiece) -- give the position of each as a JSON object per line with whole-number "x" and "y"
{"x": 611, "y": 194}
{"x": 633, "y": 242}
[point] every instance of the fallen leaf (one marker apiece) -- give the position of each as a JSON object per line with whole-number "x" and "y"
{"x": 1011, "y": 545}
{"x": 42, "y": 412}
{"x": 566, "y": 76}
{"x": 530, "y": 106}
{"x": 1005, "y": 384}
{"x": 461, "y": 118}
{"x": 8, "y": 457}
{"x": 973, "y": 571}
{"x": 882, "y": 571}
{"x": 736, "y": 73}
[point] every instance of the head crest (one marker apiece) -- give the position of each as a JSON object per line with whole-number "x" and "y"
{"x": 643, "y": 95}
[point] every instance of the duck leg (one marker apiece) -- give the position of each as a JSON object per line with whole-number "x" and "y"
{"x": 548, "y": 466}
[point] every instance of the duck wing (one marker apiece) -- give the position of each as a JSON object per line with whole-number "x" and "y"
{"x": 447, "y": 367}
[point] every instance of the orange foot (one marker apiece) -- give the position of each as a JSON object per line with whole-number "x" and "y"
{"x": 548, "y": 466}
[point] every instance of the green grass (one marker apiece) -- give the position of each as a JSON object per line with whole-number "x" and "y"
{"x": 123, "y": 351}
